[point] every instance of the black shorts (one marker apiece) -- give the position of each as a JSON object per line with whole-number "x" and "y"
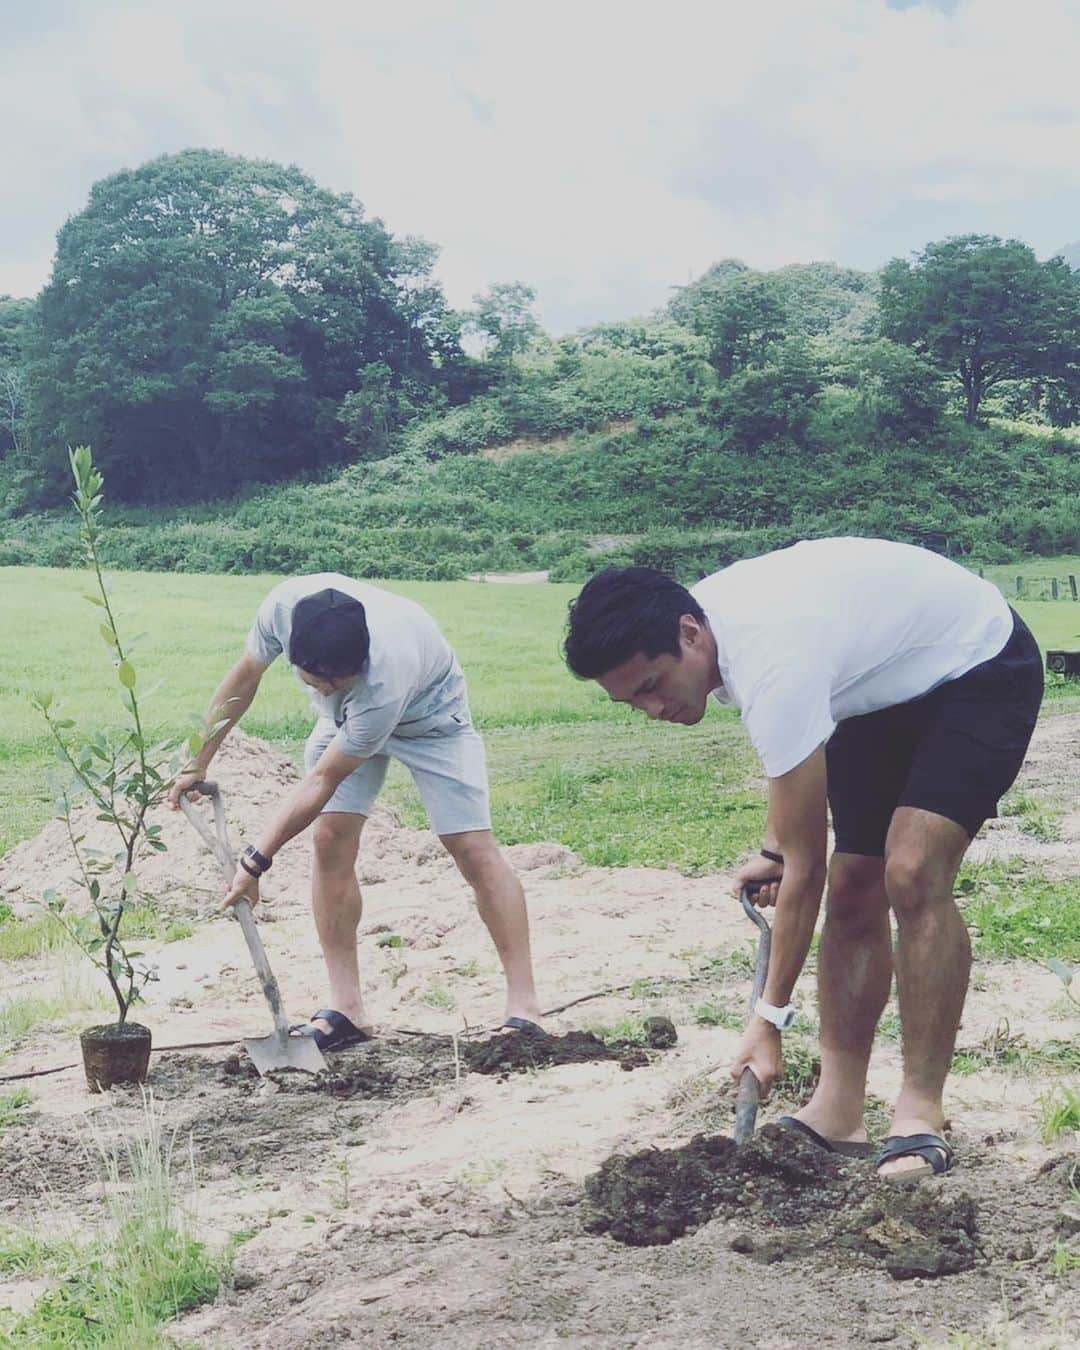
{"x": 954, "y": 751}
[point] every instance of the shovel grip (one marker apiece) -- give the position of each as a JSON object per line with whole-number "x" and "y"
{"x": 746, "y": 1105}
{"x": 262, "y": 966}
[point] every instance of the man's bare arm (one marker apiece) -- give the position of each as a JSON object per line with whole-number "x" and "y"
{"x": 231, "y": 699}
{"x": 797, "y": 814}
{"x": 296, "y": 812}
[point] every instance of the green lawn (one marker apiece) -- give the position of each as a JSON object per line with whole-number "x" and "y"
{"x": 1036, "y": 574}
{"x": 566, "y": 764}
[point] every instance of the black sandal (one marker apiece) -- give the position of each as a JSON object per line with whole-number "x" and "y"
{"x": 938, "y": 1156}
{"x": 343, "y": 1031}
{"x": 844, "y": 1148}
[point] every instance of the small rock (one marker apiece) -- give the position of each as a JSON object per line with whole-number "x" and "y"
{"x": 742, "y": 1242}
{"x": 880, "y": 1329}
{"x": 244, "y": 1279}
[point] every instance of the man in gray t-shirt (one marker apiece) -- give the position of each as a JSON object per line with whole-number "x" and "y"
{"x": 383, "y": 684}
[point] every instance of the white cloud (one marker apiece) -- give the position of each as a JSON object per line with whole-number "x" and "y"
{"x": 600, "y": 151}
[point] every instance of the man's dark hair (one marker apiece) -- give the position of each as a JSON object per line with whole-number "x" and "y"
{"x": 329, "y": 635}
{"x": 623, "y": 611}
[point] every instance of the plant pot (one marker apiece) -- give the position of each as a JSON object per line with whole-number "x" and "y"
{"x": 115, "y": 1054}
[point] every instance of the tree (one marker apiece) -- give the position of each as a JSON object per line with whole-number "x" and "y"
{"x": 740, "y": 318}
{"x": 770, "y": 401}
{"x": 14, "y": 318}
{"x": 984, "y": 310}
{"x": 503, "y": 320}
{"x": 206, "y": 320}
{"x": 898, "y": 393}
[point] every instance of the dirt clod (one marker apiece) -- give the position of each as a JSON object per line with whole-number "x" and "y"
{"x": 660, "y": 1032}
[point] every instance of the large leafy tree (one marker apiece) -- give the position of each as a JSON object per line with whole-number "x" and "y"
{"x": 984, "y": 310}
{"x": 211, "y": 320}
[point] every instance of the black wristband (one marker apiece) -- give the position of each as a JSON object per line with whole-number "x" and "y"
{"x": 260, "y": 860}
{"x": 773, "y": 857}
{"x": 249, "y": 869}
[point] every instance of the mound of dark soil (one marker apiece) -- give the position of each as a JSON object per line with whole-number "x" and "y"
{"x": 793, "y": 1198}
{"x": 654, "y": 1197}
{"x": 520, "y": 1051}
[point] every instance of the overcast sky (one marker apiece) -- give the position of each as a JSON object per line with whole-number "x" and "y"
{"x": 602, "y": 152}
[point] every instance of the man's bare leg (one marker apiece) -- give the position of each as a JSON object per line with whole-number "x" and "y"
{"x": 854, "y": 975}
{"x": 337, "y": 905}
{"x": 933, "y": 961}
{"x": 500, "y": 901}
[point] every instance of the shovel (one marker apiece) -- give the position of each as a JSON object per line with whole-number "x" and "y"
{"x": 279, "y": 1050}
{"x": 749, "y": 1092}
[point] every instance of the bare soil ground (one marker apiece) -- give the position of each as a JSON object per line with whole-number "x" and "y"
{"x": 406, "y": 1198}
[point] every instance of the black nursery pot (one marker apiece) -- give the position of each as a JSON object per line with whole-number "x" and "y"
{"x": 115, "y": 1054}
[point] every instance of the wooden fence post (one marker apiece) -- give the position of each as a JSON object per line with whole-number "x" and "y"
{"x": 1053, "y": 588}
{"x": 1072, "y": 587}
{"x": 1019, "y": 585}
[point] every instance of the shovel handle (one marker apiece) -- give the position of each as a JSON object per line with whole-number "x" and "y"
{"x": 218, "y": 843}
{"x": 262, "y": 966}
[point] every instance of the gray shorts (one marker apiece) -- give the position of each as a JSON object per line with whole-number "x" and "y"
{"x": 448, "y": 766}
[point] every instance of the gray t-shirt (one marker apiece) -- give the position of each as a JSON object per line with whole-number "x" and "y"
{"x": 411, "y": 685}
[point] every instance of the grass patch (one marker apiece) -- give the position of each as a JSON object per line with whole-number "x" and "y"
{"x": 43, "y": 935}
{"x": 12, "y": 1104}
{"x": 22, "y": 1014}
{"x": 802, "y": 1069}
{"x": 439, "y": 997}
{"x": 1059, "y": 1114}
{"x": 1036, "y": 820}
{"x": 143, "y": 1268}
{"x": 626, "y": 1031}
{"x": 1013, "y": 913}
{"x": 724, "y": 1014}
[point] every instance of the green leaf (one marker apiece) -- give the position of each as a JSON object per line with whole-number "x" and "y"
{"x": 126, "y": 673}
{"x": 108, "y": 634}
{"x": 195, "y": 743}
{"x": 43, "y": 701}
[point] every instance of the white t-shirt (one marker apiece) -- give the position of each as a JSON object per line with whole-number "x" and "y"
{"x": 833, "y": 628}
{"x": 411, "y": 680}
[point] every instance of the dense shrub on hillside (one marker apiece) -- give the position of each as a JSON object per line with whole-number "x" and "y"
{"x": 578, "y": 384}
{"x": 671, "y": 491}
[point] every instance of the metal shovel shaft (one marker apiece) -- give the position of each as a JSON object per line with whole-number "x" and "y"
{"x": 278, "y": 1050}
{"x": 749, "y": 1092}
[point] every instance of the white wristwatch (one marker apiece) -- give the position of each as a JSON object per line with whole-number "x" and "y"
{"x": 781, "y": 1018}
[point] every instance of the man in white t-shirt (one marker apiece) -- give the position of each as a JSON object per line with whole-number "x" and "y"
{"x": 384, "y": 684}
{"x": 898, "y": 688}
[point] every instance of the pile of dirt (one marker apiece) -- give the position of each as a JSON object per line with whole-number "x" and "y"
{"x": 531, "y": 1048}
{"x": 793, "y": 1198}
{"x": 185, "y": 880}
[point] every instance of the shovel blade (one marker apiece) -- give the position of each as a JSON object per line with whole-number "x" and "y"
{"x": 285, "y": 1052}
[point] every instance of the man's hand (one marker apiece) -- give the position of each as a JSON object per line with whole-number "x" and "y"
{"x": 242, "y": 887}
{"x": 759, "y": 872}
{"x": 759, "y": 1050}
{"x": 182, "y": 786}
